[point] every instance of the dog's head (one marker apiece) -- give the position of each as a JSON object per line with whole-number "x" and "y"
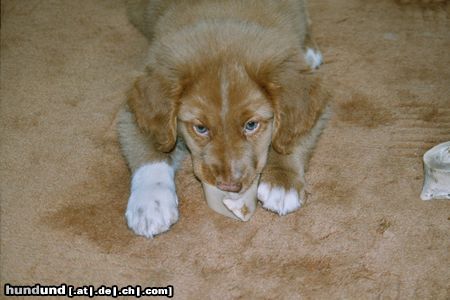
{"x": 226, "y": 120}
{"x": 229, "y": 109}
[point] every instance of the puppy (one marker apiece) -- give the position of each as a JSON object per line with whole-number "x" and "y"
{"x": 229, "y": 82}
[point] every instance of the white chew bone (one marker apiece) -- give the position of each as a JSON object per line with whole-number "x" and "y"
{"x": 436, "y": 166}
{"x": 233, "y": 205}
{"x": 238, "y": 208}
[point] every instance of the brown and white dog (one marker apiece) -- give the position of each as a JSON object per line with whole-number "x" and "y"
{"x": 229, "y": 82}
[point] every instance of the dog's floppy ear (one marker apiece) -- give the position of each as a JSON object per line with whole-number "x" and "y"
{"x": 153, "y": 103}
{"x": 298, "y": 101}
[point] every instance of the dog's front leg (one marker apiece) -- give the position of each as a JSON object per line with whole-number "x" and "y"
{"x": 281, "y": 188}
{"x": 282, "y": 185}
{"x": 153, "y": 203}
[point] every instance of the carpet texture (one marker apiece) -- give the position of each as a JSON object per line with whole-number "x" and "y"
{"x": 364, "y": 232}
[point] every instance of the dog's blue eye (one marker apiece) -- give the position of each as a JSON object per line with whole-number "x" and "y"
{"x": 251, "y": 126}
{"x": 200, "y": 129}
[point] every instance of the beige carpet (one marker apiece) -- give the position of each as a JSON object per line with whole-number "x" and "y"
{"x": 364, "y": 233}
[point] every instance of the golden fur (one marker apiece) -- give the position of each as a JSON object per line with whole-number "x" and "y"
{"x": 220, "y": 65}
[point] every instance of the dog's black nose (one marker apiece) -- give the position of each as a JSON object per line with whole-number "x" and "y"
{"x": 233, "y": 187}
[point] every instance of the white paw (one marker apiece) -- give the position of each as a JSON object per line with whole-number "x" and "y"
{"x": 279, "y": 200}
{"x": 152, "y": 206}
{"x": 313, "y": 58}
{"x": 152, "y": 210}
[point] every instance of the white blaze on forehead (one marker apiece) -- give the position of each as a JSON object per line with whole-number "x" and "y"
{"x": 224, "y": 94}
